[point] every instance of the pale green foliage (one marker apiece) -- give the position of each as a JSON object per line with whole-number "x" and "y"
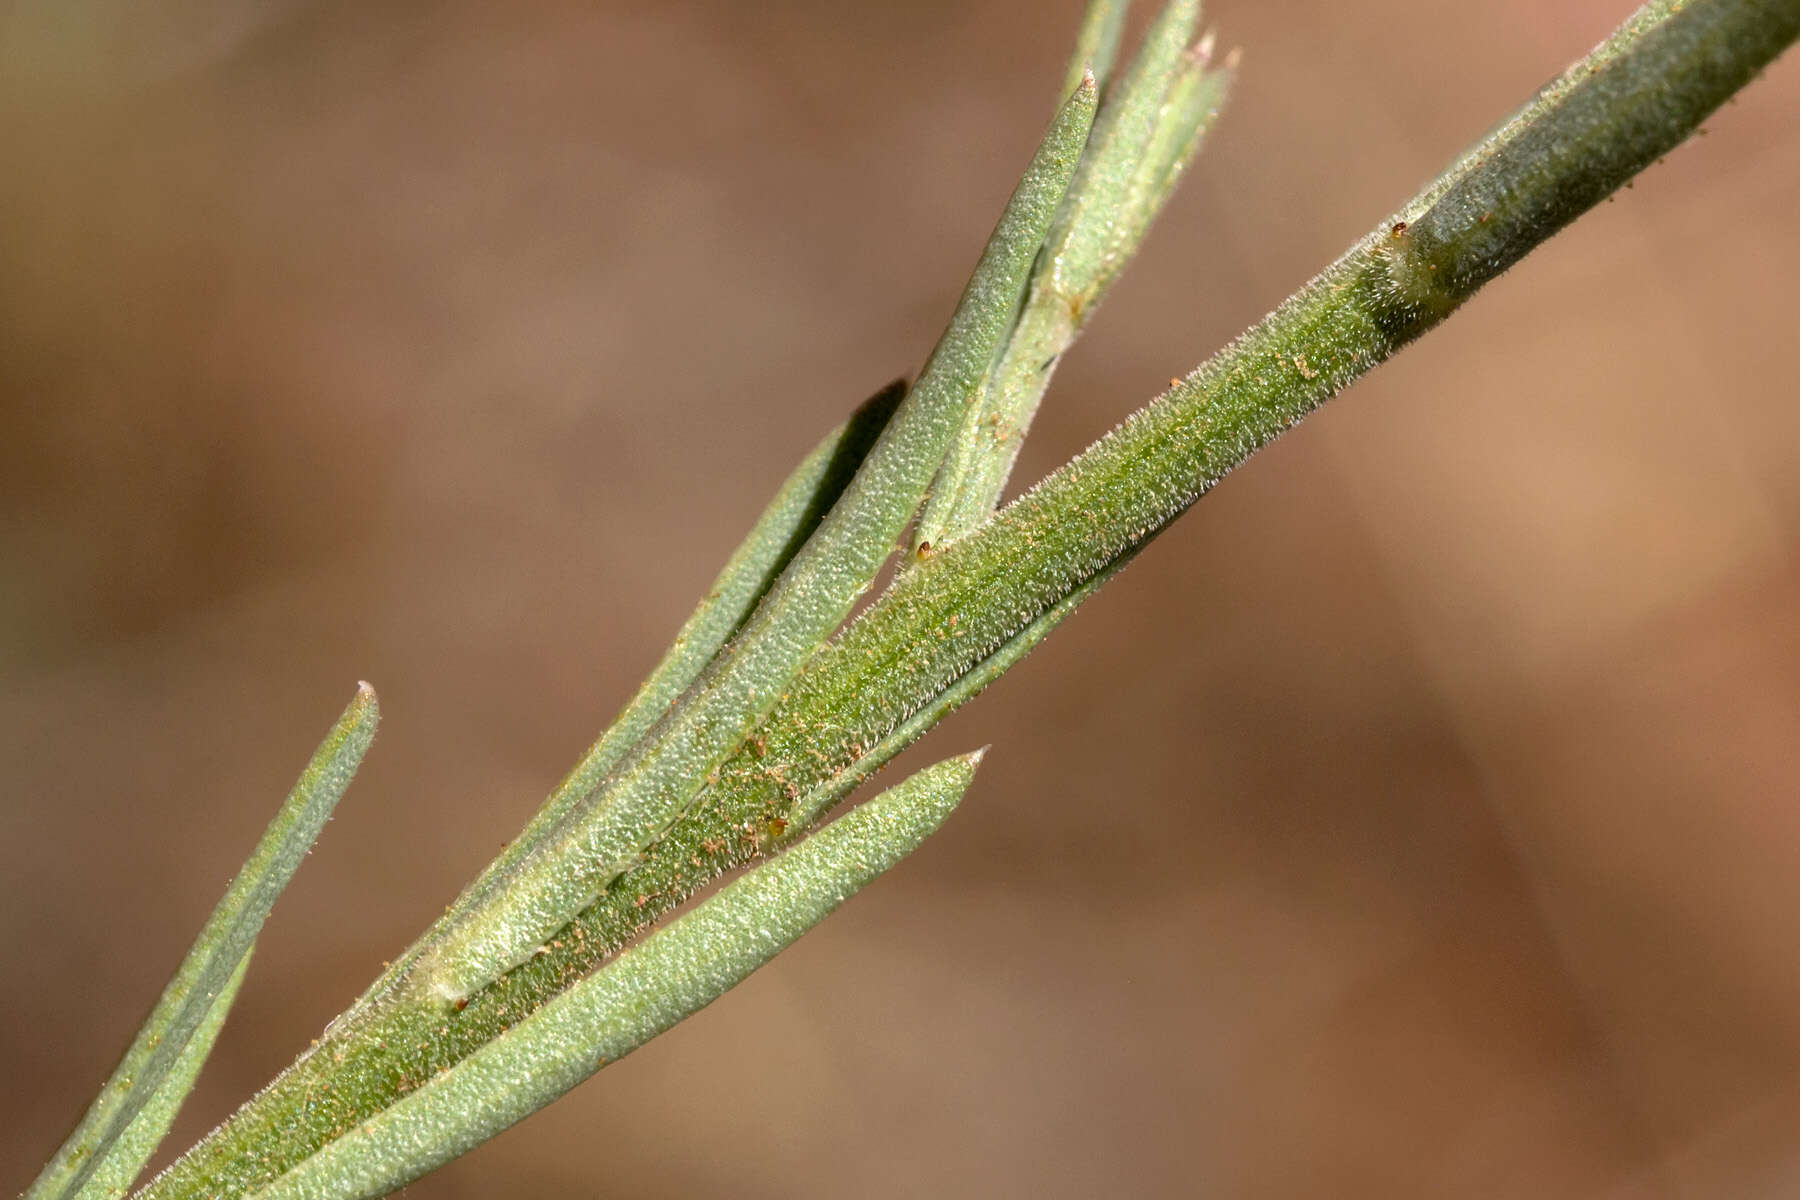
{"x": 1096, "y": 44}
{"x": 118, "y": 1165}
{"x": 768, "y": 710}
{"x": 784, "y": 526}
{"x": 1149, "y": 128}
{"x": 127, "y": 1120}
{"x": 676, "y": 972}
{"x": 603, "y": 834}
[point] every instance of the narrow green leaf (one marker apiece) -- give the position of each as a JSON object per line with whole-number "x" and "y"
{"x": 674, "y": 973}
{"x": 119, "y": 1166}
{"x": 193, "y": 997}
{"x": 801, "y": 502}
{"x": 604, "y": 835}
{"x": 1096, "y": 45}
{"x": 1145, "y": 134}
{"x": 1194, "y": 101}
{"x": 1082, "y": 245}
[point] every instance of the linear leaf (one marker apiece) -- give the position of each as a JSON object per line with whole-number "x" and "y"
{"x": 1082, "y": 242}
{"x": 604, "y": 836}
{"x": 119, "y": 1166}
{"x": 1193, "y": 103}
{"x": 1096, "y": 44}
{"x": 1146, "y": 132}
{"x": 674, "y": 973}
{"x": 192, "y": 997}
{"x": 798, "y": 506}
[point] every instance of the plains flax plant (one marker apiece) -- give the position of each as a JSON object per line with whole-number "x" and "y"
{"x": 403, "y": 1036}
{"x": 789, "y": 519}
{"x": 962, "y": 613}
{"x": 674, "y": 973}
{"x": 603, "y": 835}
{"x": 120, "y": 1130}
{"x": 1148, "y": 129}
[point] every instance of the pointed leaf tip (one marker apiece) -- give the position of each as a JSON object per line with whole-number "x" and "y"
{"x": 365, "y": 706}
{"x": 1097, "y": 43}
{"x": 649, "y": 988}
{"x": 158, "y": 1068}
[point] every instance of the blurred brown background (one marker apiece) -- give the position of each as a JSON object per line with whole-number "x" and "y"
{"x": 1418, "y": 818}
